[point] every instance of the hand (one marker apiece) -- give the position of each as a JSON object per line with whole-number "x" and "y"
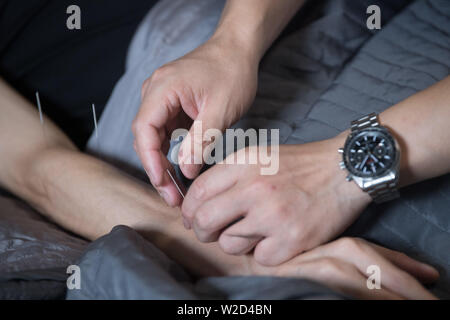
{"x": 216, "y": 83}
{"x": 307, "y": 203}
{"x": 342, "y": 266}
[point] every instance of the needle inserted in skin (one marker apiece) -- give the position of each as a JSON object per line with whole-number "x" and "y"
{"x": 95, "y": 121}
{"x": 39, "y": 108}
{"x": 176, "y": 184}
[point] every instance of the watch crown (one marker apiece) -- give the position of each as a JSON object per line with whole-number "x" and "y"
{"x": 341, "y": 150}
{"x": 349, "y": 178}
{"x": 342, "y": 165}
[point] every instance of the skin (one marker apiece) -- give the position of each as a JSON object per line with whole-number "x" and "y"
{"x": 216, "y": 83}
{"x": 89, "y": 197}
{"x": 308, "y": 200}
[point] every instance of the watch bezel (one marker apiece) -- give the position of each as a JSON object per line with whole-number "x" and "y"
{"x": 356, "y": 134}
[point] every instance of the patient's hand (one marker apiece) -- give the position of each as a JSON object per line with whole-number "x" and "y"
{"x": 343, "y": 266}
{"x": 307, "y": 203}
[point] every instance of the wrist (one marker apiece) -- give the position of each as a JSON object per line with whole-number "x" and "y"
{"x": 238, "y": 41}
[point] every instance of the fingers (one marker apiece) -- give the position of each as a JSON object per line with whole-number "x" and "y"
{"x": 399, "y": 281}
{"x": 254, "y": 233}
{"x": 240, "y": 238}
{"x": 149, "y": 129}
{"x": 149, "y": 132}
{"x": 268, "y": 252}
{"x": 209, "y": 184}
{"x": 190, "y": 156}
{"x": 205, "y": 131}
{"x": 148, "y": 147}
{"x": 166, "y": 188}
{"x": 362, "y": 255}
{"x": 213, "y": 216}
{"x": 237, "y": 245}
{"x": 424, "y": 272}
{"x": 341, "y": 276}
{"x": 392, "y": 277}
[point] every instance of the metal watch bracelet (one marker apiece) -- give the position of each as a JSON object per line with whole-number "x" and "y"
{"x": 380, "y": 192}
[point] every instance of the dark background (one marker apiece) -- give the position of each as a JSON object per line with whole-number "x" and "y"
{"x": 71, "y": 69}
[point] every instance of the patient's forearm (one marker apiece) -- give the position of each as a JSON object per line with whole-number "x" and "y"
{"x": 22, "y": 136}
{"x": 90, "y": 197}
{"x": 87, "y": 196}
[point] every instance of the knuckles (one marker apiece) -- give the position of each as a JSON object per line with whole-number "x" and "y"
{"x": 347, "y": 245}
{"x": 186, "y": 210}
{"x": 202, "y": 220}
{"x": 161, "y": 72}
{"x": 228, "y": 245}
{"x": 144, "y": 87}
{"x": 264, "y": 257}
{"x": 158, "y": 75}
{"x": 136, "y": 126}
{"x": 297, "y": 237}
{"x": 197, "y": 189}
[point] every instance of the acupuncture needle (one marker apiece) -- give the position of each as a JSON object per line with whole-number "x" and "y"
{"x": 95, "y": 121}
{"x": 176, "y": 184}
{"x": 41, "y": 118}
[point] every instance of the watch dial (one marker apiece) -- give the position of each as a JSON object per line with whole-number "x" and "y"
{"x": 370, "y": 152}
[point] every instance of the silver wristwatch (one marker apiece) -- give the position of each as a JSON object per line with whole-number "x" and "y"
{"x": 371, "y": 156}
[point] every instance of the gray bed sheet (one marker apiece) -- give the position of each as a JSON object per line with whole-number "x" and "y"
{"x": 327, "y": 69}
{"x": 123, "y": 265}
{"x": 34, "y": 253}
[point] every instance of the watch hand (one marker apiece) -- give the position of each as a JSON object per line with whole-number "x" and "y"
{"x": 363, "y": 163}
{"x": 372, "y": 166}
{"x": 374, "y": 158}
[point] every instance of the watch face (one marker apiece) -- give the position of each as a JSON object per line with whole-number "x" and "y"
{"x": 370, "y": 153}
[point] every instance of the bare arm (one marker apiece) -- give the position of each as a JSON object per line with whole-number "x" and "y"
{"x": 421, "y": 123}
{"x": 86, "y": 195}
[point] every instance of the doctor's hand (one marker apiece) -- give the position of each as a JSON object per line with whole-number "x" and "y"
{"x": 216, "y": 83}
{"x": 307, "y": 203}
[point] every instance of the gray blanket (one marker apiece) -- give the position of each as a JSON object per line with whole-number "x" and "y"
{"x": 123, "y": 265}
{"x": 326, "y": 70}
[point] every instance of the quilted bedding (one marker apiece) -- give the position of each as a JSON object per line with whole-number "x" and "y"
{"x": 326, "y": 70}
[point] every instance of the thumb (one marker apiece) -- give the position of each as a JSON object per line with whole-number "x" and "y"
{"x": 198, "y": 143}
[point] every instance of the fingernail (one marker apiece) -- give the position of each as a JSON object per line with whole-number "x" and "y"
{"x": 150, "y": 176}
